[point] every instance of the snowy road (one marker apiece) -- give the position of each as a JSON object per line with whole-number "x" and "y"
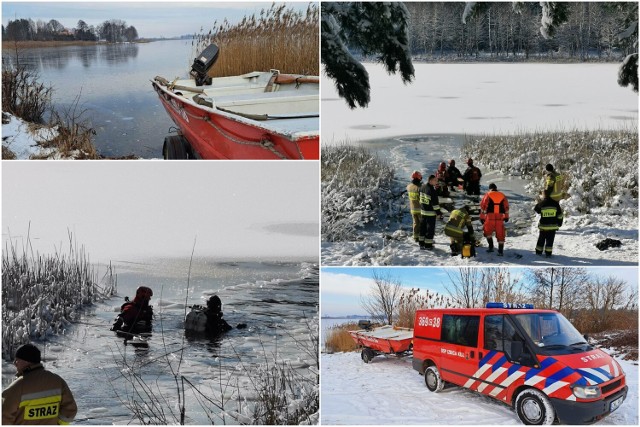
{"x": 389, "y": 391}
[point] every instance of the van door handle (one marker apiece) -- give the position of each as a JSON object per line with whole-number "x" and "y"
{"x": 472, "y": 354}
{"x": 480, "y": 355}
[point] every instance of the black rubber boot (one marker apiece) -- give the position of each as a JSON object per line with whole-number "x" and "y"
{"x": 490, "y": 242}
{"x": 500, "y": 249}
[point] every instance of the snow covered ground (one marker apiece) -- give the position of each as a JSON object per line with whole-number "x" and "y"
{"x": 23, "y": 141}
{"x": 389, "y": 391}
{"x": 418, "y": 125}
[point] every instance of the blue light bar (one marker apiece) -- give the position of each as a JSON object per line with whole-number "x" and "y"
{"x": 508, "y": 305}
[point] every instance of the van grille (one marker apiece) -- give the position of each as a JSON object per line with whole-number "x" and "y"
{"x": 609, "y": 387}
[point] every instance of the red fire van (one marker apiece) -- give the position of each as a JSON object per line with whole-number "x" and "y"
{"x": 533, "y": 360}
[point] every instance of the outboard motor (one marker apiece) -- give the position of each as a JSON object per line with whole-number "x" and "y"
{"x": 203, "y": 63}
{"x": 364, "y": 324}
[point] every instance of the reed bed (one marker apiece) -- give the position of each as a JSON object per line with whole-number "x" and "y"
{"x": 600, "y": 166}
{"x": 338, "y": 338}
{"x": 277, "y": 38}
{"x": 43, "y": 294}
{"x": 356, "y": 191}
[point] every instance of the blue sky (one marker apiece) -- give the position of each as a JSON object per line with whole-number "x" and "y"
{"x": 341, "y": 287}
{"x": 151, "y": 19}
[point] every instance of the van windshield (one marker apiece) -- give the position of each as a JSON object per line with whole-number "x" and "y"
{"x": 552, "y": 333}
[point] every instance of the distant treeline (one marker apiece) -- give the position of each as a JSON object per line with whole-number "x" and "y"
{"x": 512, "y": 29}
{"x": 112, "y": 31}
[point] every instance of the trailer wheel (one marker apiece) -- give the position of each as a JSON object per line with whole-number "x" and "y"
{"x": 175, "y": 148}
{"x": 433, "y": 380}
{"x": 533, "y": 408}
{"x": 367, "y": 355}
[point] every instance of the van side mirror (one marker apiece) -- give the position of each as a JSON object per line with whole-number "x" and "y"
{"x": 586, "y": 338}
{"x": 516, "y": 350}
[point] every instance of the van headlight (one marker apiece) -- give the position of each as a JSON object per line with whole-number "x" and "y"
{"x": 586, "y": 392}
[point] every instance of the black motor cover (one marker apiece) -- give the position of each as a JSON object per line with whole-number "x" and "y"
{"x": 203, "y": 63}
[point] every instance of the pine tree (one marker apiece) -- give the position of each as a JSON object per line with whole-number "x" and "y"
{"x": 371, "y": 29}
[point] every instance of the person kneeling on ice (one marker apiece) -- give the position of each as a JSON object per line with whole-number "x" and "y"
{"x": 37, "y": 396}
{"x": 135, "y": 316}
{"x": 494, "y": 212}
{"x": 430, "y": 210}
{"x": 551, "y": 219}
{"x": 458, "y": 219}
{"x": 208, "y": 321}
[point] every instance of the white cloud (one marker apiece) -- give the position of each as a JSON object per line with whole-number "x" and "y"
{"x": 344, "y": 284}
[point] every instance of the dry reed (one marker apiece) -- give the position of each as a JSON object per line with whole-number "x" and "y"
{"x": 278, "y": 38}
{"x": 338, "y": 338}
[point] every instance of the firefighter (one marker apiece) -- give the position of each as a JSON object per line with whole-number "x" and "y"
{"x": 472, "y": 179}
{"x": 459, "y": 219}
{"x": 551, "y": 218}
{"x": 553, "y": 183}
{"x": 36, "y": 396}
{"x": 454, "y": 175}
{"x": 430, "y": 210}
{"x": 413, "y": 189}
{"x": 441, "y": 180}
{"x": 494, "y": 212}
{"x": 135, "y": 316}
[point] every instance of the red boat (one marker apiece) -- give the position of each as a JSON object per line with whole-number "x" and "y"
{"x": 259, "y": 115}
{"x": 385, "y": 339}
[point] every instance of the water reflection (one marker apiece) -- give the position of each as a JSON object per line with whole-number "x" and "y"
{"x": 113, "y": 82}
{"x": 61, "y": 57}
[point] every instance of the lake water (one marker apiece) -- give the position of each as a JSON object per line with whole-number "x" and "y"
{"x": 113, "y": 83}
{"x": 277, "y": 300}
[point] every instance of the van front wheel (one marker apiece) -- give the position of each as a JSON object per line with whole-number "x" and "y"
{"x": 433, "y": 380}
{"x": 533, "y": 408}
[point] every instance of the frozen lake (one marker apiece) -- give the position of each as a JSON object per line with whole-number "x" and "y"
{"x": 481, "y": 98}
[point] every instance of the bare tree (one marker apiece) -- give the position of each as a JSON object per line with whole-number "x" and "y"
{"x": 384, "y": 297}
{"x": 604, "y": 296}
{"x": 556, "y": 288}
{"x": 465, "y": 288}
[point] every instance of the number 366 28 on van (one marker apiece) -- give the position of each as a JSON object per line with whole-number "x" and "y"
{"x": 533, "y": 360}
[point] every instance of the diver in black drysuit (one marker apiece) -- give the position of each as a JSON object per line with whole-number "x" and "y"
{"x": 215, "y": 323}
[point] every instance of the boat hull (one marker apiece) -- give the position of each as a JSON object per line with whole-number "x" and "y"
{"x": 215, "y": 134}
{"x": 384, "y": 342}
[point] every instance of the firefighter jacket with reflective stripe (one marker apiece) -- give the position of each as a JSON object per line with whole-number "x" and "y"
{"x": 429, "y": 204}
{"x": 551, "y": 216}
{"x": 553, "y": 184}
{"x": 414, "y": 198}
{"x": 38, "y": 397}
{"x": 457, "y": 220}
{"x": 494, "y": 205}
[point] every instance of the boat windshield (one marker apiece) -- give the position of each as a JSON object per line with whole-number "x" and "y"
{"x": 552, "y": 333}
